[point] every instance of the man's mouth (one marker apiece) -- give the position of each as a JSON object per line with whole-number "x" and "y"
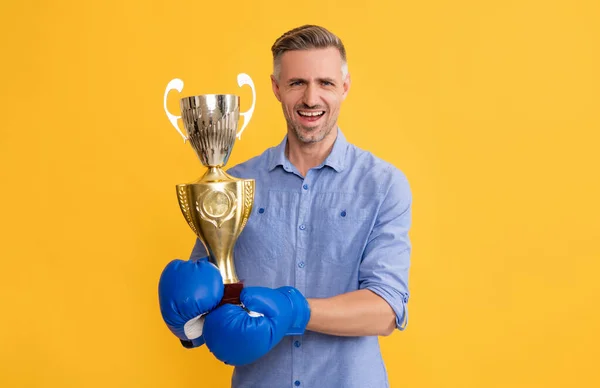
{"x": 310, "y": 115}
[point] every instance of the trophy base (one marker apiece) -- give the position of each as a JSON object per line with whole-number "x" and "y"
{"x": 232, "y": 293}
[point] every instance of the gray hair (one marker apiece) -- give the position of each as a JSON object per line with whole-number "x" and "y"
{"x": 305, "y": 38}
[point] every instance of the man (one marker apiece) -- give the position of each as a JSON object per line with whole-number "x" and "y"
{"x": 325, "y": 255}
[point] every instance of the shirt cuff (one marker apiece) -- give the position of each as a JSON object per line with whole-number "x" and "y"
{"x": 396, "y": 300}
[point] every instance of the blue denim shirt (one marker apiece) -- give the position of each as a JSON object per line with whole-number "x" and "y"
{"x": 342, "y": 227}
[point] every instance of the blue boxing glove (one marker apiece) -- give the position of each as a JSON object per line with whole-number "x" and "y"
{"x": 239, "y": 336}
{"x": 187, "y": 290}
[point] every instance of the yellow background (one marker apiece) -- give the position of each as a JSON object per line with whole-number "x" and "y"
{"x": 491, "y": 108}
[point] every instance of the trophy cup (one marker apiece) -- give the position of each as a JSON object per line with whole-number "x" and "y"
{"x": 216, "y": 206}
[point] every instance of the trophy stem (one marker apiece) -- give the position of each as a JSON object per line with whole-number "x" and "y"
{"x": 232, "y": 285}
{"x": 224, "y": 262}
{"x": 215, "y": 174}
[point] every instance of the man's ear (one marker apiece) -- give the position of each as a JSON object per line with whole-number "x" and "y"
{"x": 275, "y": 86}
{"x": 346, "y": 86}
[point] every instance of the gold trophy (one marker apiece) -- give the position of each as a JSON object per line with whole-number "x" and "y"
{"x": 216, "y": 206}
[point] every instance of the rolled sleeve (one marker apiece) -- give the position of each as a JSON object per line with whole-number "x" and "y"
{"x": 386, "y": 260}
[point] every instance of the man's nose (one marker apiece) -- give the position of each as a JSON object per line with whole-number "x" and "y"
{"x": 311, "y": 95}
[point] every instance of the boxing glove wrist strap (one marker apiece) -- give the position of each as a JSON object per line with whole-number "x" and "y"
{"x": 301, "y": 308}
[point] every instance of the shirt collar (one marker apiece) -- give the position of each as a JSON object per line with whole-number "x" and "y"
{"x": 336, "y": 158}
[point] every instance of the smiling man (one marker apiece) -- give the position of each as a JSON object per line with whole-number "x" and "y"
{"x": 325, "y": 255}
{"x": 311, "y": 85}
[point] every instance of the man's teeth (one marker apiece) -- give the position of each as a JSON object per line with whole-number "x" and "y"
{"x": 311, "y": 114}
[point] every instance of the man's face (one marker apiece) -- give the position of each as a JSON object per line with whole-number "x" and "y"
{"x": 311, "y": 90}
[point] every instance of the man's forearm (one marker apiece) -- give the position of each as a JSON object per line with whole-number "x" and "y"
{"x": 357, "y": 313}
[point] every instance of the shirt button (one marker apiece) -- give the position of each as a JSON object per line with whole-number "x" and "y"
{"x": 305, "y": 187}
{"x": 302, "y": 227}
{"x": 297, "y": 344}
{"x": 297, "y": 383}
{"x": 301, "y": 264}
{"x": 261, "y": 210}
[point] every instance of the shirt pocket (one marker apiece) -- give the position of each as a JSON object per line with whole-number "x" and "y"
{"x": 268, "y": 235}
{"x": 342, "y": 233}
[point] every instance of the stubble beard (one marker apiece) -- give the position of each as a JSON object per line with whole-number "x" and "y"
{"x": 315, "y": 134}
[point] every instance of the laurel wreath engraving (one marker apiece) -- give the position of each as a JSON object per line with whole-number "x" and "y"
{"x": 185, "y": 207}
{"x": 248, "y": 199}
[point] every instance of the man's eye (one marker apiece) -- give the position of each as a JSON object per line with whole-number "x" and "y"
{"x": 296, "y": 83}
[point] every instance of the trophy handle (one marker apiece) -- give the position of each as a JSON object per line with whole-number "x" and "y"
{"x": 244, "y": 79}
{"x": 176, "y": 84}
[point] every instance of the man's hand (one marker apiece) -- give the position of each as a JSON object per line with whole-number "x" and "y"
{"x": 239, "y": 336}
{"x": 188, "y": 290}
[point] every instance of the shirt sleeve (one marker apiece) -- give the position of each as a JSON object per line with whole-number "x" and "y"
{"x": 386, "y": 260}
{"x": 198, "y": 252}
